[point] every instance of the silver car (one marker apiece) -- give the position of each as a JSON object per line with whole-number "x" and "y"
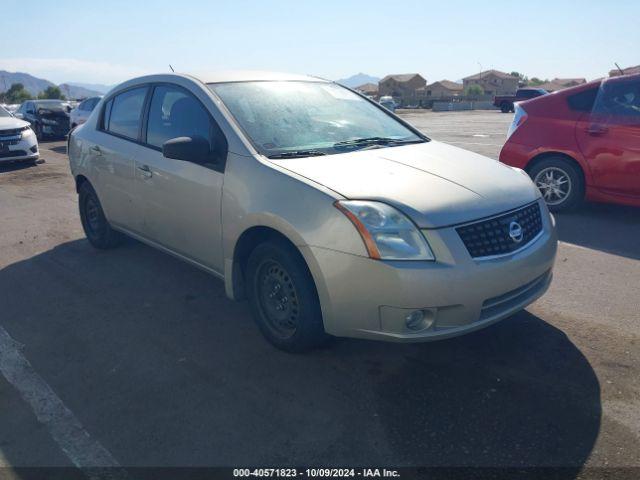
{"x": 81, "y": 112}
{"x": 331, "y": 215}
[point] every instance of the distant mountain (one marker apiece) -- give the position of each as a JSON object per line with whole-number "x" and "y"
{"x": 357, "y": 80}
{"x": 35, "y": 85}
{"x": 32, "y": 84}
{"x": 95, "y": 87}
{"x": 70, "y": 90}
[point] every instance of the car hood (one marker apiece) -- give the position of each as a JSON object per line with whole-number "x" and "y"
{"x": 8, "y": 123}
{"x": 435, "y": 184}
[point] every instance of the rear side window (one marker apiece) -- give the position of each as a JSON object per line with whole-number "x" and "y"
{"x": 619, "y": 98}
{"x": 176, "y": 113}
{"x": 125, "y": 113}
{"x": 583, "y": 101}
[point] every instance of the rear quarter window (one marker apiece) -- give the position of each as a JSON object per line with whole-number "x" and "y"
{"x": 583, "y": 101}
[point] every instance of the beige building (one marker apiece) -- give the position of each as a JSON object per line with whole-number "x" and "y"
{"x": 493, "y": 82}
{"x": 368, "y": 89}
{"x": 560, "y": 83}
{"x": 625, "y": 71}
{"x": 402, "y": 87}
{"x": 441, "y": 89}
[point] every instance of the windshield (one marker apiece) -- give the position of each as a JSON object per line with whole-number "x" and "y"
{"x": 51, "y": 104}
{"x": 4, "y": 113}
{"x": 309, "y": 118}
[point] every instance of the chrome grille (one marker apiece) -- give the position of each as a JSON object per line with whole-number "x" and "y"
{"x": 11, "y": 136}
{"x": 493, "y": 236}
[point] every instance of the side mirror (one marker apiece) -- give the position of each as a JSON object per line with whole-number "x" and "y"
{"x": 18, "y": 115}
{"x": 190, "y": 149}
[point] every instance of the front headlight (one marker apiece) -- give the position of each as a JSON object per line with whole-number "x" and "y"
{"x": 387, "y": 233}
{"x": 27, "y": 133}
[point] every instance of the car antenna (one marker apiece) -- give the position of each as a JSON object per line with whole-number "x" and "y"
{"x": 175, "y": 71}
{"x": 619, "y": 69}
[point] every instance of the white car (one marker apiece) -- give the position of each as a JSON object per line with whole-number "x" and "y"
{"x": 80, "y": 114}
{"x": 17, "y": 140}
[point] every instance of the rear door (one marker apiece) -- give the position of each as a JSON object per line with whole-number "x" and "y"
{"x": 609, "y": 137}
{"x": 181, "y": 200}
{"x": 112, "y": 157}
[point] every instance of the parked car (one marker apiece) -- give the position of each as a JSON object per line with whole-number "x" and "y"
{"x": 506, "y": 102}
{"x": 17, "y": 140}
{"x": 48, "y": 118}
{"x": 388, "y": 103}
{"x": 79, "y": 115}
{"x": 329, "y": 213}
{"x": 581, "y": 143}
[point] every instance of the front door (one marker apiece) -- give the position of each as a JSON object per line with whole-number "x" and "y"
{"x": 180, "y": 200}
{"x": 609, "y": 137}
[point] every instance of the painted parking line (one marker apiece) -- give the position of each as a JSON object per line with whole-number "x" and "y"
{"x": 83, "y": 451}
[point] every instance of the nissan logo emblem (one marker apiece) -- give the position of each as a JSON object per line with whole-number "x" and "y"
{"x": 515, "y": 232}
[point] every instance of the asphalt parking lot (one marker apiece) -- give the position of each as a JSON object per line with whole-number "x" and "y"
{"x": 148, "y": 364}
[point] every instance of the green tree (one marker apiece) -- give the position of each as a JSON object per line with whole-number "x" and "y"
{"x": 535, "y": 81}
{"x": 474, "y": 91}
{"x": 52, "y": 92}
{"x": 16, "y": 94}
{"x": 522, "y": 78}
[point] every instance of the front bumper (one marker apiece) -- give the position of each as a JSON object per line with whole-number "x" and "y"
{"x": 366, "y": 298}
{"x": 22, "y": 150}
{"x": 58, "y": 130}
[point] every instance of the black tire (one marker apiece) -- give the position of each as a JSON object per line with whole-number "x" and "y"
{"x": 38, "y": 131}
{"x": 95, "y": 224}
{"x": 505, "y": 107}
{"x": 559, "y": 167}
{"x": 277, "y": 276}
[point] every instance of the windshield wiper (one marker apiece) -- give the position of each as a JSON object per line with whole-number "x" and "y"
{"x": 365, "y": 142}
{"x": 298, "y": 154}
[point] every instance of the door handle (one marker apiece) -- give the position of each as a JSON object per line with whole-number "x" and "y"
{"x": 95, "y": 149}
{"x": 597, "y": 130}
{"x": 146, "y": 171}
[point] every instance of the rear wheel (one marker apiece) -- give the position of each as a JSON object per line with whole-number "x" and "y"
{"x": 95, "y": 224}
{"x": 283, "y": 297}
{"x": 560, "y": 183}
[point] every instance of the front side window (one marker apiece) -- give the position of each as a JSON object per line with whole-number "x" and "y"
{"x": 175, "y": 113}
{"x": 4, "y": 113}
{"x": 126, "y": 113}
{"x": 309, "y": 118}
{"x": 619, "y": 99}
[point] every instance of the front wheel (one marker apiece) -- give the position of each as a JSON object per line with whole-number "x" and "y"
{"x": 283, "y": 297}
{"x": 95, "y": 224}
{"x": 38, "y": 131}
{"x": 505, "y": 107}
{"x": 560, "y": 183}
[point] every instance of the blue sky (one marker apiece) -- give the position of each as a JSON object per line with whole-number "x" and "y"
{"x": 110, "y": 40}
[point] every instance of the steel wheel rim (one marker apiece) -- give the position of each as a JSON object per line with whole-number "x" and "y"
{"x": 92, "y": 216}
{"x": 278, "y": 299}
{"x": 554, "y": 184}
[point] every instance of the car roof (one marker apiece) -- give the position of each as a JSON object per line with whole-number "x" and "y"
{"x": 255, "y": 76}
{"x": 223, "y": 77}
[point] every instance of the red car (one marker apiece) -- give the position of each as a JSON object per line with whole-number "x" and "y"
{"x": 580, "y": 143}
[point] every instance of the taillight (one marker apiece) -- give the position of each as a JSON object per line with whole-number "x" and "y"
{"x": 518, "y": 119}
